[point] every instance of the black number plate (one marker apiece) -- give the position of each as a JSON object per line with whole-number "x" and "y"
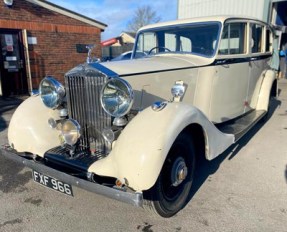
{"x": 52, "y": 183}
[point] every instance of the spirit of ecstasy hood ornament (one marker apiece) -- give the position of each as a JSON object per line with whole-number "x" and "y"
{"x": 91, "y": 59}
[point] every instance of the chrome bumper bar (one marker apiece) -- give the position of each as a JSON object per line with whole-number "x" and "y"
{"x": 136, "y": 199}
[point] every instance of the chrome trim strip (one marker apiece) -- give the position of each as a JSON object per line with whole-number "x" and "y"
{"x": 135, "y": 199}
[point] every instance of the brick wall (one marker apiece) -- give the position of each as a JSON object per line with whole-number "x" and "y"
{"x": 57, "y": 35}
{"x": 55, "y": 53}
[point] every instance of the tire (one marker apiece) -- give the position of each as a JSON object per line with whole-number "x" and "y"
{"x": 170, "y": 193}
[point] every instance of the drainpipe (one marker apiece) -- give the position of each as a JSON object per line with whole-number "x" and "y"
{"x": 28, "y": 67}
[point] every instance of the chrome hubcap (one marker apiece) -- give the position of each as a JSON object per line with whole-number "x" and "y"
{"x": 179, "y": 172}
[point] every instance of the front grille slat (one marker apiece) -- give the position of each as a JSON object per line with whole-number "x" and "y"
{"x": 83, "y": 103}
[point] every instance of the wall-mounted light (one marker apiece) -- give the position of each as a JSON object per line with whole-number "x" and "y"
{"x": 8, "y": 3}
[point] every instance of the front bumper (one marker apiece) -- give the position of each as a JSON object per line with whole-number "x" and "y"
{"x": 136, "y": 199}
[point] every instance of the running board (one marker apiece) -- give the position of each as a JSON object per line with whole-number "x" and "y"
{"x": 239, "y": 126}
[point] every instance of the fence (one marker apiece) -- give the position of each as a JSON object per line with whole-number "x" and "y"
{"x": 114, "y": 51}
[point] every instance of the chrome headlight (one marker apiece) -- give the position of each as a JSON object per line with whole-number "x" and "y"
{"x": 117, "y": 97}
{"x": 52, "y": 92}
{"x": 71, "y": 131}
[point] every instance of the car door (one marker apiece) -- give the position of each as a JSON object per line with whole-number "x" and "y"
{"x": 230, "y": 84}
{"x": 260, "y": 57}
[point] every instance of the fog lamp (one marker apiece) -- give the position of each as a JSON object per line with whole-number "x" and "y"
{"x": 71, "y": 131}
{"x": 108, "y": 135}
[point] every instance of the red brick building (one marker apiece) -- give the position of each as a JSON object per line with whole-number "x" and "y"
{"x": 38, "y": 38}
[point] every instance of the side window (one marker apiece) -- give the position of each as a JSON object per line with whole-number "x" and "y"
{"x": 257, "y": 41}
{"x": 185, "y": 44}
{"x": 224, "y": 43}
{"x": 233, "y": 39}
{"x": 146, "y": 42}
{"x": 177, "y": 43}
{"x": 170, "y": 41}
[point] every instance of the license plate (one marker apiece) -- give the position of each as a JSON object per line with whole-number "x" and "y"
{"x": 52, "y": 183}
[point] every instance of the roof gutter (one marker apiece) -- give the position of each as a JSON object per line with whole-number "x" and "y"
{"x": 66, "y": 12}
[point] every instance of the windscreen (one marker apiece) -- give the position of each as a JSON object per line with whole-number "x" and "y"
{"x": 197, "y": 39}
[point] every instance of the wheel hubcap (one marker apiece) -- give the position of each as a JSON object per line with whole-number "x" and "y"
{"x": 179, "y": 172}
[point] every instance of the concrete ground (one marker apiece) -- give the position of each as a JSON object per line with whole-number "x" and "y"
{"x": 244, "y": 189}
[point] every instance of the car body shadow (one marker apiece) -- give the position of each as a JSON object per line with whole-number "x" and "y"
{"x": 3, "y": 124}
{"x": 206, "y": 168}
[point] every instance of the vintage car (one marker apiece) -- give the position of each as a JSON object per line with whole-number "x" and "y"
{"x": 133, "y": 130}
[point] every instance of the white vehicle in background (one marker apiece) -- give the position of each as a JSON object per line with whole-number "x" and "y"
{"x": 124, "y": 56}
{"x": 132, "y": 130}
{"x": 128, "y": 55}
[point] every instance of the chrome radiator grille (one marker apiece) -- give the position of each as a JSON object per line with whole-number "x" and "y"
{"x": 83, "y": 89}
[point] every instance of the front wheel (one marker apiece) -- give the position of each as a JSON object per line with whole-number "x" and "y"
{"x": 171, "y": 190}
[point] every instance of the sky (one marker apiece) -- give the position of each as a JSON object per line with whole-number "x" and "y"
{"x": 117, "y": 13}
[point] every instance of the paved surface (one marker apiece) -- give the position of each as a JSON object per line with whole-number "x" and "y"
{"x": 244, "y": 189}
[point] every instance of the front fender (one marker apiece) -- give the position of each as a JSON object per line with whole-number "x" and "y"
{"x": 141, "y": 149}
{"x": 29, "y": 130}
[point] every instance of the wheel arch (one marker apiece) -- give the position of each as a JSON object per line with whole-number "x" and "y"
{"x": 141, "y": 150}
{"x": 29, "y": 130}
{"x": 170, "y": 192}
{"x": 199, "y": 137}
{"x": 268, "y": 88}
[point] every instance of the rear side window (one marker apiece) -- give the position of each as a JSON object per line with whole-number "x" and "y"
{"x": 257, "y": 38}
{"x": 233, "y": 39}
